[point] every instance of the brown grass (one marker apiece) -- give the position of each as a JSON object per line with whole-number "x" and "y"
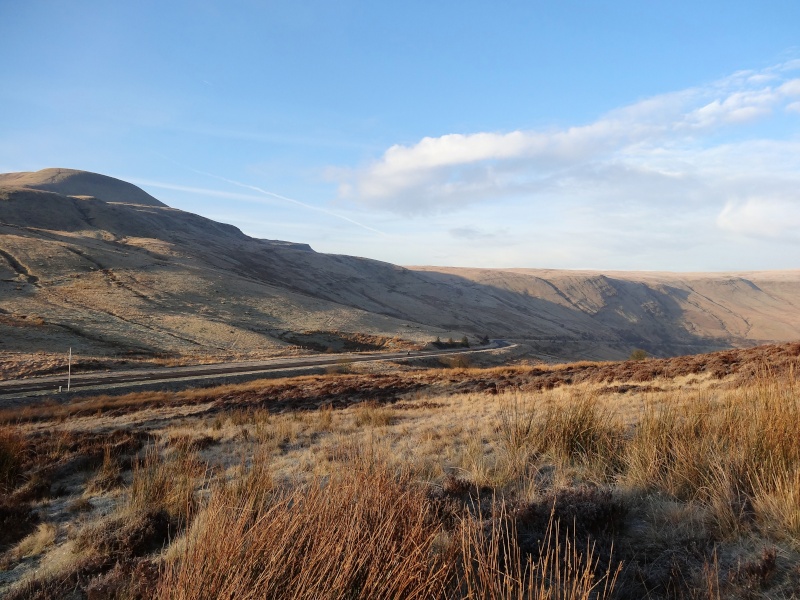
{"x": 494, "y": 565}
{"x": 366, "y": 533}
{"x": 731, "y": 453}
{"x": 12, "y": 453}
{"x": 359, "y": 535}
{"x": 108, "y": 476}
{"x": 582, "y": 432}
{"x": 35, "y": 543}
{"x": 165, "y": 484}
{"x": 448, "y": 484}
{"x": 374, "y": 415}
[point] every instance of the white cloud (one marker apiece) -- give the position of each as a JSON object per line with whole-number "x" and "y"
{"x": 476, "y": 234}
{"x": 738, "y": 107}
{"x": 790, "y": 88}
{"x": 762, "y": 217}
{"x": 660, "y": 151}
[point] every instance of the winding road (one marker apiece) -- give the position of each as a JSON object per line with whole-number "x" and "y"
{"x": 98, "y": 382}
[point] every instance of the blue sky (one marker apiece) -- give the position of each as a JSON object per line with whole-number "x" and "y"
{"x": 621, "y": 135}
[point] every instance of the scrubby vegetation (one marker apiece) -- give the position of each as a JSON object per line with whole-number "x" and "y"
{"x": 638, "y": 354}
{"x": 452, "y": 483}
{"x": 450, "y": 343}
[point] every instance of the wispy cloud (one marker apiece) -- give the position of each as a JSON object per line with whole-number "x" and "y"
{"x": 262, "y": 197}
{"x": 768, "y": 217}
{"x": 472, "y": 234}
{"x": 331, "y": 140}
{"x": 697, "y": 149}
{"x": 286, "y": 199}
{"x": 215, "y": 193}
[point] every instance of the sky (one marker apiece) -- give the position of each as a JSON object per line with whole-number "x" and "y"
{"x": 620, "y": 135}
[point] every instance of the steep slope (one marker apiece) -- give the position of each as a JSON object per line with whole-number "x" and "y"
{"x": 124, "y": 278}
{"x": 95, "y": 263}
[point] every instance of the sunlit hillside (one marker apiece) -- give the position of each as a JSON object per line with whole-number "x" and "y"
{"x": 96, "y": 264}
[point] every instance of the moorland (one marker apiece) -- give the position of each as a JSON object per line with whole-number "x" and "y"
{"x": 96, "y": 264}
{"x": 657, "y": 478}
{"x": 549, "y": 468}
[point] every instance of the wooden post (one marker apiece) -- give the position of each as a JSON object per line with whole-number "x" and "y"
{"x": 69, "y": 369}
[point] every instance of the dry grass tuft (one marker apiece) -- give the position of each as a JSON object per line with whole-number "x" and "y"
{"x": 559, "y": 568}
{"x": 736, "y": 454}
{"x": 164, "y": 484}
{"x": 582, "y": 432}
{"x": 776, "y": 502}
{"x": 372, "y": 414}
{"x": 517, "y": 426}
{"x": 366, "y": 532}
{"x": 121, "y": 537}
{"x": 108, "y": 477}
{"x": 12, "y": 450}
{"x": 34, "y": 544}
{"x": 359, "y": 535}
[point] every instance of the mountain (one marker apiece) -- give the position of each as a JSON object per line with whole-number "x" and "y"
{"x": 97, "y": 264}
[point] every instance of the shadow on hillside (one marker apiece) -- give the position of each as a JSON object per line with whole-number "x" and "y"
{"x": 634, "y": 315}
{"x": 612, "y": 318}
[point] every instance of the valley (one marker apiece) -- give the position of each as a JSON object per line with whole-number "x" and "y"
{"x": 252, "y": 418}
{"x": 92, "y": 263}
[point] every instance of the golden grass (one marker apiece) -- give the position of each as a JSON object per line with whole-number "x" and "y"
{"x": 367, "y": 532}
{"x": 166, "y": 484}
{"x": 494, "y": 567}
{"x": 728, "y": 452}
{"x": 776, "y": 501}
{"x": 35, "y": 543}
{"x": 432, "y": 488}
{"x": 372, "y": 414}
{"x": 108, "y": 476}
{"x": 582, "y": 431}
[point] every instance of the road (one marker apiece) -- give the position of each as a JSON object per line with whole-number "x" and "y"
{"x": 16, "y": 388}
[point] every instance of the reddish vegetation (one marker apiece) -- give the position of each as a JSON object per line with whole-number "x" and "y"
{"x": 318, "y": 391}
{"x": 776, "y": 359}
{"x": 745, "y": 364}
{"x": 313, "y": 392}
{"x": 342, "y": 390}
{"x": 730, "y": 473}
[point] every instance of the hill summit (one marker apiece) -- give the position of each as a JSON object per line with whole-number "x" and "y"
{"x": 69, "y": 182}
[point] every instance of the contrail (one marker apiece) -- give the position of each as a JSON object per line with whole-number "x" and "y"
{"x": 287, "y": 199}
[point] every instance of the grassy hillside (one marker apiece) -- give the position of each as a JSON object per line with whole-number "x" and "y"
{"x": 96, "y": 264}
